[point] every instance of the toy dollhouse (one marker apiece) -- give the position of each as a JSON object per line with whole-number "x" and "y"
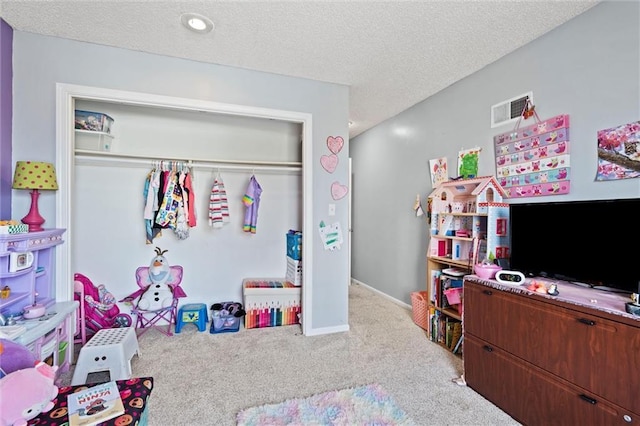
{"x": 469, "y": 220}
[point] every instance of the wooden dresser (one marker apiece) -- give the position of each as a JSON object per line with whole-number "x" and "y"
{"x": 572, "y": 359}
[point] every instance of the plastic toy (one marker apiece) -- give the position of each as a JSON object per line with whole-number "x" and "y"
{"x": 26, "y": 393}
{"x": 99, "y": 308}
{"x": 229, "y": 308}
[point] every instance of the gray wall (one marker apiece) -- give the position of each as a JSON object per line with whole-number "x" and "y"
{"x": 40, "y": 62}
{"x": 588, "y": 68}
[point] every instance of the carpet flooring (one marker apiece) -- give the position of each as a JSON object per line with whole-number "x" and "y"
{"x": 207, "y": 379}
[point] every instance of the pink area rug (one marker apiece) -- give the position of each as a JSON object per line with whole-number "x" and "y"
{"x": 364, "y": 405}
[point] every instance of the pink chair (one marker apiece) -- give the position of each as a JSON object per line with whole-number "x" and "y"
{"x": 146, "y": 318}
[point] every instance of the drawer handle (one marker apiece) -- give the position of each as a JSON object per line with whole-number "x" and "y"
{"x": 589, "y": 400}
{"x": 487, "y": 348}
{"x": 587, "y": 321}
{"x": 487, "y": 292}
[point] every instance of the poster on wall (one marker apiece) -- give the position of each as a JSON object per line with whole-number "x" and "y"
{"x": 534, "y": 161}
{"x": 438, "y": 168}
{"x": 468, "y": 162}
{"x": 619, "y": 152}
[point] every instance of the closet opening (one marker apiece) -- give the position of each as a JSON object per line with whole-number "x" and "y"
{"x": 213, "y": 139}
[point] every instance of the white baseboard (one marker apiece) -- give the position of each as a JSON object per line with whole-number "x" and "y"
{"x": 386, "y": 296}
{"x": 328, "y": 330}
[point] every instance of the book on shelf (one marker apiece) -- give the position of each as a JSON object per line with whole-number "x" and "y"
{"x": 456, "y": 335}
{"x": 479, "y": 250}
{"x": 435, "y": 277}
{"x": 94, "y": 405}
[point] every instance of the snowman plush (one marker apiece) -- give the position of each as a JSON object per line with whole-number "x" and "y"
{"x": 159, "y": 293}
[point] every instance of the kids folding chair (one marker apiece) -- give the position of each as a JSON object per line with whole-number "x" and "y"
{"x": 156, "y": 301}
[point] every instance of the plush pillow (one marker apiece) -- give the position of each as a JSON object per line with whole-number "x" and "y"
{"x": 14, "y": 357}
{"x": 26, "y": 393}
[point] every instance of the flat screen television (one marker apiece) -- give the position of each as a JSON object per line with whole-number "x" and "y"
{"x": 594, "y": 243}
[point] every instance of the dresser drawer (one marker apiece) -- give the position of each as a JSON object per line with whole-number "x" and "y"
{"x": 592, "y": 352}
{"x": 533, "y": 396}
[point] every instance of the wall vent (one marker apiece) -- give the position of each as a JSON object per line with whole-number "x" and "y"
{"x": 510, "y": 110}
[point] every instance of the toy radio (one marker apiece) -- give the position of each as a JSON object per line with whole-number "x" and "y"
{"x": 19, "y": 261}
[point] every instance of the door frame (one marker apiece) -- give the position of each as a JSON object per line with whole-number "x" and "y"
{"x": 66, "y": 95}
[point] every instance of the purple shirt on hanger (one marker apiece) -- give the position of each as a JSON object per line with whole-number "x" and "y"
{"x": 251, "y": 200}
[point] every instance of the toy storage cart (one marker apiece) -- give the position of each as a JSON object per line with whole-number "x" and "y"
{"x": 270, "y": 302}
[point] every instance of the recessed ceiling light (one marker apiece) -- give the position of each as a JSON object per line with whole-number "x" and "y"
{"x": 196, "y": 23}
{"x": 350, "y": 123}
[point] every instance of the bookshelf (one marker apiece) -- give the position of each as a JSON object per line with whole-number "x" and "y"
{"x": 468, "y": 223}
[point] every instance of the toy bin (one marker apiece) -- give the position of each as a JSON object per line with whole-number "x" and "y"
{"x": 93, "y": 121}
{"x": 419, "y": 308}
{"x": 454, "y": 297}
{"x": 294, "y": 271}
{"x": 294, "y": 244}
{"x": 270, "y": 302}
{"x": 223, "y": 320}
{"x": 224, "y": 323}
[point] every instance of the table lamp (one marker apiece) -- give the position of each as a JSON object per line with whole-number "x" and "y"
{"x": 36, "y": 176}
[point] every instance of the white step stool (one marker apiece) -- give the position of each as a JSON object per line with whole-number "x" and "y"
{"x": 110, "y": 349}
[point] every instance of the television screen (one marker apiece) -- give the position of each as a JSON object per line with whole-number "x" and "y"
{"x": 588, "y": 242}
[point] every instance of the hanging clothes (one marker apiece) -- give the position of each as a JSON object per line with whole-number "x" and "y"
{"x": 169, "y": 197}
{"x": 182, "y": 227}
{"x": 191, "y": 208}
{"x": 151, "y": 186}
{"x": 168, "y": 213}
{"x": 218, "y": 204}
{"x": 251, "y": 200}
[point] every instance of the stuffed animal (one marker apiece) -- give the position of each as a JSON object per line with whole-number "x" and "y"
{"x": 26, "y": 393}
{"x": 14, "y": 357}
{"x": 159, "y": 294}
{"x": 229, "y": 308}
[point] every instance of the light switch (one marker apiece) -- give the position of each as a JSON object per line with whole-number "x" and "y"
{"x": 332, "y": 209}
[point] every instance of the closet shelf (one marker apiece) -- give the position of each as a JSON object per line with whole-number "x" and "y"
{"x": 93, "y": 132}
{"x": 93, "y": 157}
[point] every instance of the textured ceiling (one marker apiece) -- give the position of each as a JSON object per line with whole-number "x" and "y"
{"x": 392, "y": 54}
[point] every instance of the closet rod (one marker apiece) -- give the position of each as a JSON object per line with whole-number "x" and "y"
{"x": 207, "y": 164}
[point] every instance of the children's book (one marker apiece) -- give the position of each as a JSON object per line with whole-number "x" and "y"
{"x": 94, "y": 405}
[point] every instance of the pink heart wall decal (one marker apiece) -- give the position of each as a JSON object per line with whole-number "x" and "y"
{"x": 335, "y": 144}
{"x": 329, "y": 162}
{"x": 338, "y": 191}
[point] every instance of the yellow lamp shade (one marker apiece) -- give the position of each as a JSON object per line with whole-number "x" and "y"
{"x": 35, "y": 175}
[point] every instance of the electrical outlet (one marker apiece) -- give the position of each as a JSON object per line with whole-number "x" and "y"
{"x": 332, "y": 209}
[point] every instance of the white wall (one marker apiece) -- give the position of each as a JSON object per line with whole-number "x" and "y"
{"x": 108, "y": 200}
{"x": 40, "y": 62}
{"x": 588, "y": 68}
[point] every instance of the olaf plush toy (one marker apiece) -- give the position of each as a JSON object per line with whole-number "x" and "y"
{"x": 159, "y": 294}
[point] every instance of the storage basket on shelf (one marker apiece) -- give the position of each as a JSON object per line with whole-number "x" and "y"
{"x": 454, "y": 297}
{"x": 419, "y": 309}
